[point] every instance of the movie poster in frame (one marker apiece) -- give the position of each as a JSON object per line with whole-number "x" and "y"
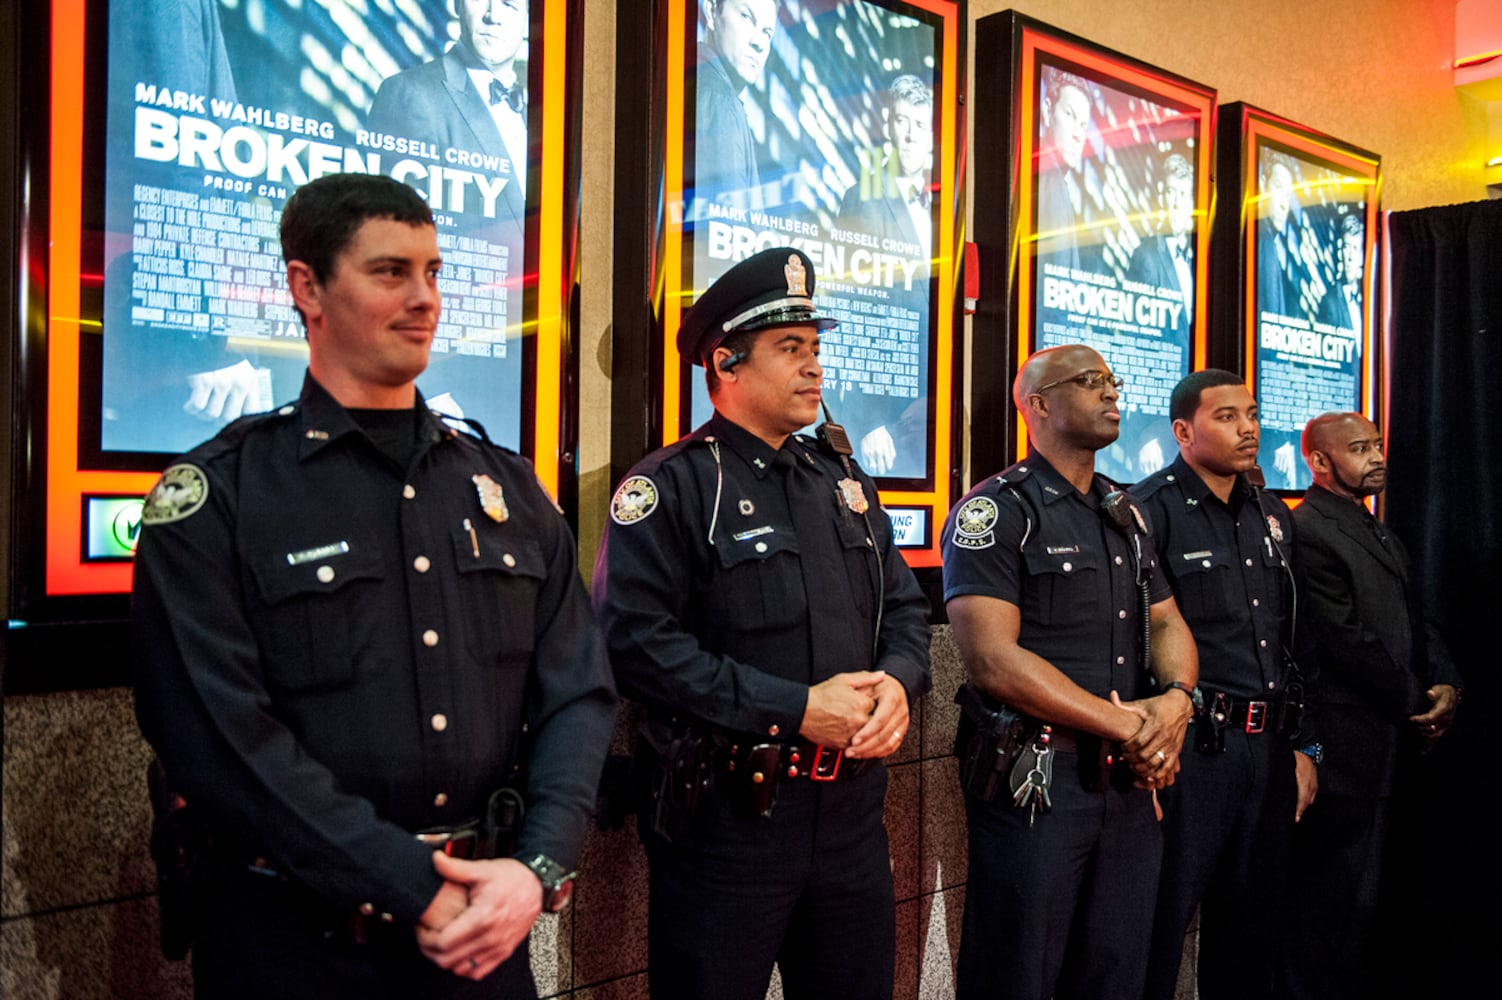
{"x": 176, "y": 133}
{"x": 1295, "y": 253}
{"x": 832, "y": 126}
{"x": 1092, "y": 219}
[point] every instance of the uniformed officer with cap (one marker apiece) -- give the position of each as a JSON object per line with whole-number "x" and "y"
{"x": 1051, "y": 584}
{"x": 752, "y": 600}
{"x": 353, "y": 625}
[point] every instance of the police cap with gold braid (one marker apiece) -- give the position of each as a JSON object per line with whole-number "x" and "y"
{"x": 771, "y": 288}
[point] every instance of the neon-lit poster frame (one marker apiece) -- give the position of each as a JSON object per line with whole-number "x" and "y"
{"x": 1328, "y": 180}
{"x": 52, "y": 578}
{"x": 664, "y": 409}
{"x": 1139, "y": 117}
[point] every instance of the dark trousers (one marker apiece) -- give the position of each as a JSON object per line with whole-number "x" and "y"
{"x": 1227, "y": 829}
{"x": 1061, "y": 908}
{"x": 259, "y": 938}
{"x": 809, "y": 888}
{"x": 1337, "y": 877}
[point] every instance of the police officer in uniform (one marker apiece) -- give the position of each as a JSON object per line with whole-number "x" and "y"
{"x": 1225, "y": 547}
{"x": 753, "y": 602}
{"x": 1051, "y": 583}
{"x": 353, "y": 625}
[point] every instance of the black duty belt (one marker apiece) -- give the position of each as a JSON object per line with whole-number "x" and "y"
{"x": 757, "y": 761}
{"x": 1248, "y": 716}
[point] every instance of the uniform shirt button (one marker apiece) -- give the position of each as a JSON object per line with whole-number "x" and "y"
{"x": 1248, "y": 562}
{"x": 509, "y": 560}
{"x": 440, "y": 722}
{"x": 1120, "y": 660}
{"x": 773, "y": 730}
{"x": 1121, "y": 613}
{"x": 430, "y": 638}
{"x": 1271, "y": 685}
{"x": 1118, "y": 560}
{"x": 1262, "y": 643}
{"x": 1205, "y": 563}
{"x": 408, "y": 492}
{"x": 761, "y": 546}
{"x": 386, "y": 918}
{"x": 1068, "y": 567}
{"x": 366, "y": 909}
{"x": 441, "y": 799}
{"x": 325, "y": 574}
{"x": 286, "y": 410}
{"x": 1256, "y": 603}
{"x": 1170, "y": 479}
{"x": 421, "y": 564}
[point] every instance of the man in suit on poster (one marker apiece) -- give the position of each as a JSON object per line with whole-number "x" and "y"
{"x": 1277, "y": 242}
{"x": 474, "y": 98}
{"x": 738, "y": 34}
{"x": 893, "y": 203}
{"x": 1165, "y": 260}
{"x": 1342, "y": 305}
{"x": 1388, "y": 692}
{"x": 1063, "y": 204}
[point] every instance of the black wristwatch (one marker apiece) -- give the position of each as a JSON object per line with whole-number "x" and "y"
{"x": 1195, "y": 698}
{"x": 557, "y": 881}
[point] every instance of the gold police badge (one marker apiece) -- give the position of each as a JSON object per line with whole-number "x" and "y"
{"x": 492, "y": 499}
{"x": 797, "y": 277}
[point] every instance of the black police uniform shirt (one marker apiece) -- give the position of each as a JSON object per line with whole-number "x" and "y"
{"x": 1225, "y": 563}
{"x": 1028, "y": 537}
{"x": 333, "y": 652}
{"x": 720, "y": 605}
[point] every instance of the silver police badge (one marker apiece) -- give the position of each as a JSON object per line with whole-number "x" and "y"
{"x": 178, "y": 494}
{"x": 973, "y": 523}
{"x": 634, "y": 500}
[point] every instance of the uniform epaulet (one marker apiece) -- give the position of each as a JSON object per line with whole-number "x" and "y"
{"x": 661, "y": 456}
{"x": 1014, "y": 475}
{"x": 1152, "y": 484}
{"x": 233, "y": 434}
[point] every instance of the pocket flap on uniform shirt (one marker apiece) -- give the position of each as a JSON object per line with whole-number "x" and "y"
{"x": 1200, "y": 561}
{"x": 495, "y": 551}
{"x": 1065, "y": 560}
{"x": 757, "y": 543}
{"x": 320, "y": 570}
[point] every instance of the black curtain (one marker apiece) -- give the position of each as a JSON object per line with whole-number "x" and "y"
{"x": 1444, "y": 499}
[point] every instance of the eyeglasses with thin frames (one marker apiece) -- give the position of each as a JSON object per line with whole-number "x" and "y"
{"x": 1093, "y": 379}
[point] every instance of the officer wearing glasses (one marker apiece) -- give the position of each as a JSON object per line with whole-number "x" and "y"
{"x": 1051, "y": 583}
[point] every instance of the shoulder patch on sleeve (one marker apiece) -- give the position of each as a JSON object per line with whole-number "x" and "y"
{"x": 974, "y": 523}
{"x": 635, "y": 499}
{"x": 182, "y": 489}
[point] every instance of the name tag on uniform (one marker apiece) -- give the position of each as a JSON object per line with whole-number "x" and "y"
{"x": 321, "y": 552}
{"x": 1198, "y": 555}
{"x": 742, "y": 536}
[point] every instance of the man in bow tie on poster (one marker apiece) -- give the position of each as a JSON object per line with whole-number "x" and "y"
{"x": 471, "y": 98}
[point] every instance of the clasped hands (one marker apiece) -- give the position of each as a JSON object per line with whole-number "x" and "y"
{"x": 483, "y": 911}
{"x": 1153, "y": 751}
{"x": 864, "y": 713}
